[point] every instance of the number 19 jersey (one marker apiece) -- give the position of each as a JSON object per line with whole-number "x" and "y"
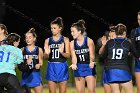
{"x": 117, "y": 51}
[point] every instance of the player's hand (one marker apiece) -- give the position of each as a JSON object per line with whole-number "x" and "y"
{"x": 47, "y": 50}
{"x": 139, "y": 58}
{"x": 73, "y": 66}
{"x": 61, "y": 48}
{"x": 91, "y": 65}
{"x": 29, "y": 60}
{"x": 104, "y": 40}
{"x": 38, "y": 66}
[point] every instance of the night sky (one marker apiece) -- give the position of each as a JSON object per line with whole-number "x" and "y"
{"x": 20, "y": 15}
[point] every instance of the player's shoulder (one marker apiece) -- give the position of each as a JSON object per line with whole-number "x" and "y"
{"x": 47, "y": 39}
{"x": 89, "y": 39}
{"x": 128, "y": 41}
{"x": 66, "y": 39}
{"x": 133, "y": 29}
{"x": 110, "y": 42}
{"x": 72, "y": 41}
{"x": 39, "y": 48}
{"x": 15, "y": 49}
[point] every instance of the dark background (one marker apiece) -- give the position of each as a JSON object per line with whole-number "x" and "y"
{"x": 20, "y": 15}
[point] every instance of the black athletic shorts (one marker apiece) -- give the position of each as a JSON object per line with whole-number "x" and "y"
{"x": 10, "y": 82}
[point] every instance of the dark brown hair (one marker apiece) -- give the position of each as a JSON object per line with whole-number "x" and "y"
{"x": 80, "y": 26}
{"x": 58, "y": 21}
{"x": 139, "y": 13}
{"x": 12, "y": 37}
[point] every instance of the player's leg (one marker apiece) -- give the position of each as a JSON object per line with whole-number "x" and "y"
{"x": 115, "y": 87}
{"x": 38, "y": 89}
{"x": 26, "y": 89}
{"x": 91, "y": 83}
{"x": 13, "y": 85}
{"x": 80, "y": 84}
{"x": 127, "y": 86}
{"x": 107, "y": 88}
{"x": 62, "y": 86}
{"x": 52, "y": 86}
{"x": 137, "y": 76}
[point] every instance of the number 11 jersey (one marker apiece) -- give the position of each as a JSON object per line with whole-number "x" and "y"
{"x": 82, "y": 52}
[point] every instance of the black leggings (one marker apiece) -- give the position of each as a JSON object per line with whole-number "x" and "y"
{"x": 10, "y": 82}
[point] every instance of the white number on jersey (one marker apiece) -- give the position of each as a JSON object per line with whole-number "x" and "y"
{"x": 55, "y": 53}
{"x": 82, "y": 58}
{"x": 117, "y": 53}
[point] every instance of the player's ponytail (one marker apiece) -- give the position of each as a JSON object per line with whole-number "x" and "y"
{"x": 80, "y": 25}
{"x": 120, "y": 29}
{"x": 59, "y": 22}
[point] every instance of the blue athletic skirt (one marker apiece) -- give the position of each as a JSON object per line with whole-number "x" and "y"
{"x": 104, "y": 81}
{"x": 137, "y": 65}
{"x": 31, "y": 79}
{"x": 57, "y": 71}
{"x": 118, "y": 76}
{"x": 84, "y": 70}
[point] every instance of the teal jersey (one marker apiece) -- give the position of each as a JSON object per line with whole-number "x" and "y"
{"x": 10, "y": 56}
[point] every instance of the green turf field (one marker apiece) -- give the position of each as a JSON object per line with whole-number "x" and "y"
{"x": 73, "y": 90}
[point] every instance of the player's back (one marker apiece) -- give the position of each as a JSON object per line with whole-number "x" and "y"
{"x": 9, "y": 57}
{"x": 118, "y": 50}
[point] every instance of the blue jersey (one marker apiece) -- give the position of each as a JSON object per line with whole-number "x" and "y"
{"x": 9, "y": 57}
{"x": 32, "y": 78}
{"x": 55, "y": 55}
{"x": 35, "y": 58}
{"x": 116, "y": 53}
{"x": 82, "y": 52}
{"x": 135, "y": 38}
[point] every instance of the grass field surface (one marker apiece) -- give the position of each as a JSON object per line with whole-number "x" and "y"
{"x": 73, "y": 90}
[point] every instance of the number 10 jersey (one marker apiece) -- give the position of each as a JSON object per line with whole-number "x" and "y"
{"x": 55, "y": 55}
